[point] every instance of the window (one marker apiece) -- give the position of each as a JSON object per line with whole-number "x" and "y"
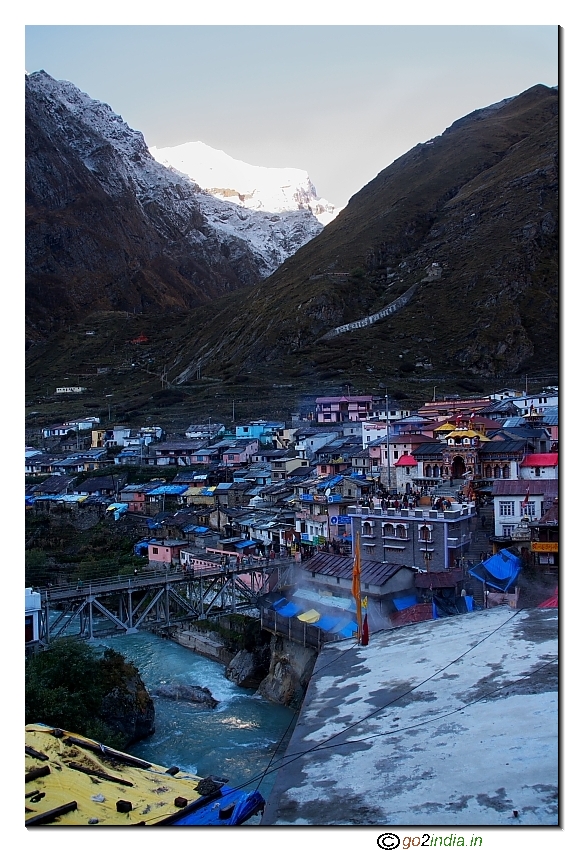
{"x": 367, "y": 529}
{"x": 396, "y": 455}
{"x": 337, "y": 581}
{"x": 425, "y": 533}
{"x": 366, "y": 586}
{"x": 402, "y": 532}
{"x": 506, "y": 508}
{"x": 527, "y": 510}
{"x": 507, "y": 530}
{"x": 537, "y": 471}
{"x": 155, "y": 550}
{"x": 231, "y": 457}
{"x": 388, "y": 530}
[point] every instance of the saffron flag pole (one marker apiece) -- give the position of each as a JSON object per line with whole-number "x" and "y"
{"x": 356, "y": 587}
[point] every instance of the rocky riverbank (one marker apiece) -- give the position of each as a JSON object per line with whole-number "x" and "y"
{"x": 277, "y": 668}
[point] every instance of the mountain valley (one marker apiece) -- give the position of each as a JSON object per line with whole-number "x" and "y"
{"x": 444, "y": 268}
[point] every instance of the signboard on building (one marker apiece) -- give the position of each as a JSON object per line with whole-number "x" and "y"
{"x": 340, "y": 520}
{"x": 544, "y": 547}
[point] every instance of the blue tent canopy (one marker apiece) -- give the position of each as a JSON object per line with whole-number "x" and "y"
{"x": 347, "y": 630}
{"x": 289, "y": 610}
{"x": 499, "y": 571}
{"x": 328, "y": 623}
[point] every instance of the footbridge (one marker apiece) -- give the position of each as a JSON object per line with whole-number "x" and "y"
{"x": 152, "y": 600}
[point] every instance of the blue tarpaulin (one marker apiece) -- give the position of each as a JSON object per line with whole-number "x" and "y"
{"x": 327, "y": 623}
{"x": 348, "y": 630}
{"x": 499, "y": 571}
{"x": 169, "y": 490}
{"x": 404, "y": 602}
{"x": 289, "y": 610}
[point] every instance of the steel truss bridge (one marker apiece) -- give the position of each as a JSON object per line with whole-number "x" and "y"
{"x": 152, "y": 600}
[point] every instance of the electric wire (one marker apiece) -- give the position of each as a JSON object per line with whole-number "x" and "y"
{"x": 285, "y": 760}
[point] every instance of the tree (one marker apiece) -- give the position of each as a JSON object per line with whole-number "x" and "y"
{"x": 66, "y": 684}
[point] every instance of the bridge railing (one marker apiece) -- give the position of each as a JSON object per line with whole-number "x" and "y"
{"x": 147, "y": 578}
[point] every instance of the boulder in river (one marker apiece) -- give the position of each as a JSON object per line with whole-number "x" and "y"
{"x": 186, "y": 693}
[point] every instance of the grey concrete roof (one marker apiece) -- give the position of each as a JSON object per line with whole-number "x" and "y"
{"x": 448, "y": 722}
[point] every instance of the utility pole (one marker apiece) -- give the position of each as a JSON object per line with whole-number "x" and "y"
{"x": 388, "y": 462}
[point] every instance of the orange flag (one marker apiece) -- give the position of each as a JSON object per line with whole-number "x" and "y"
{"x": 356, "y": 587}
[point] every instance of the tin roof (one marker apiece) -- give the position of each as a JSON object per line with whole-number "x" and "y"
{"x": 372, "y": 572}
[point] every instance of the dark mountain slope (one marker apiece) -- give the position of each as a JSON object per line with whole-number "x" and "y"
{"x": 481, "y": 201}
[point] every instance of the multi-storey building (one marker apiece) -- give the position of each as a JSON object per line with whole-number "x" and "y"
{"x": 420, "y": 537}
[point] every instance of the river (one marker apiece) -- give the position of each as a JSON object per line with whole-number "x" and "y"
{"x": 236, "y": 740}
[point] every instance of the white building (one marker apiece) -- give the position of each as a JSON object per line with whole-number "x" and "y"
{"x": 516, "y": 499}
{"x": 32, "y": 608}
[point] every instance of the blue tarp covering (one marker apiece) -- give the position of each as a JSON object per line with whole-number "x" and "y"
{"x": 244, "y": 544}
{"x": 279, "y": 602}
{"x": 289, "y": 610}
{"x": 329, "y": 482}
{"x": 327, "y": 623}
{"x": 404, "y": 602}
{"x": 195, "y": 529}
{"x": 347, "y": 630}
{"x": 169, "y": 490}
{"x": 499, "y": 571}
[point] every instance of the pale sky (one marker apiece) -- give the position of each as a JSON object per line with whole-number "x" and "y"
{"x": 341, "y": 102}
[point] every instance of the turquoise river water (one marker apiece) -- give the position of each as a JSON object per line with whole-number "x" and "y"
{"x": 237, "y": 740}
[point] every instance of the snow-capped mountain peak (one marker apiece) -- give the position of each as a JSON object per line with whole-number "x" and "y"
{"x": 254, "y": 187}
{"x": 210, "y": 224}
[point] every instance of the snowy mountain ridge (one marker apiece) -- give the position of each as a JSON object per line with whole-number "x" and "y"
{"x": 253, "y": 187}
{"x": 271, "y": 237}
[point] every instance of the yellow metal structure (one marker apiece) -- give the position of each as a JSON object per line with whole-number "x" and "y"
{"x": 63, "y": 768}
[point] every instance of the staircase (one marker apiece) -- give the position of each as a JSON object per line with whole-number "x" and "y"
{"x": 480, "y": 543}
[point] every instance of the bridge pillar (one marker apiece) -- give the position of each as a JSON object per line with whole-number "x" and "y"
{"x": 90, "y": 606}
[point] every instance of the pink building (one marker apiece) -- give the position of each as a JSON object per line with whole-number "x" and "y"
{"x": 239, "y": 453}
{"x": 163, "y": 553}
{"x": 343, "y": 408}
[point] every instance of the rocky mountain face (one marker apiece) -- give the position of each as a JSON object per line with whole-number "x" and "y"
{"x": 109, "y": 228}
{"x": 458, "y": 237}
